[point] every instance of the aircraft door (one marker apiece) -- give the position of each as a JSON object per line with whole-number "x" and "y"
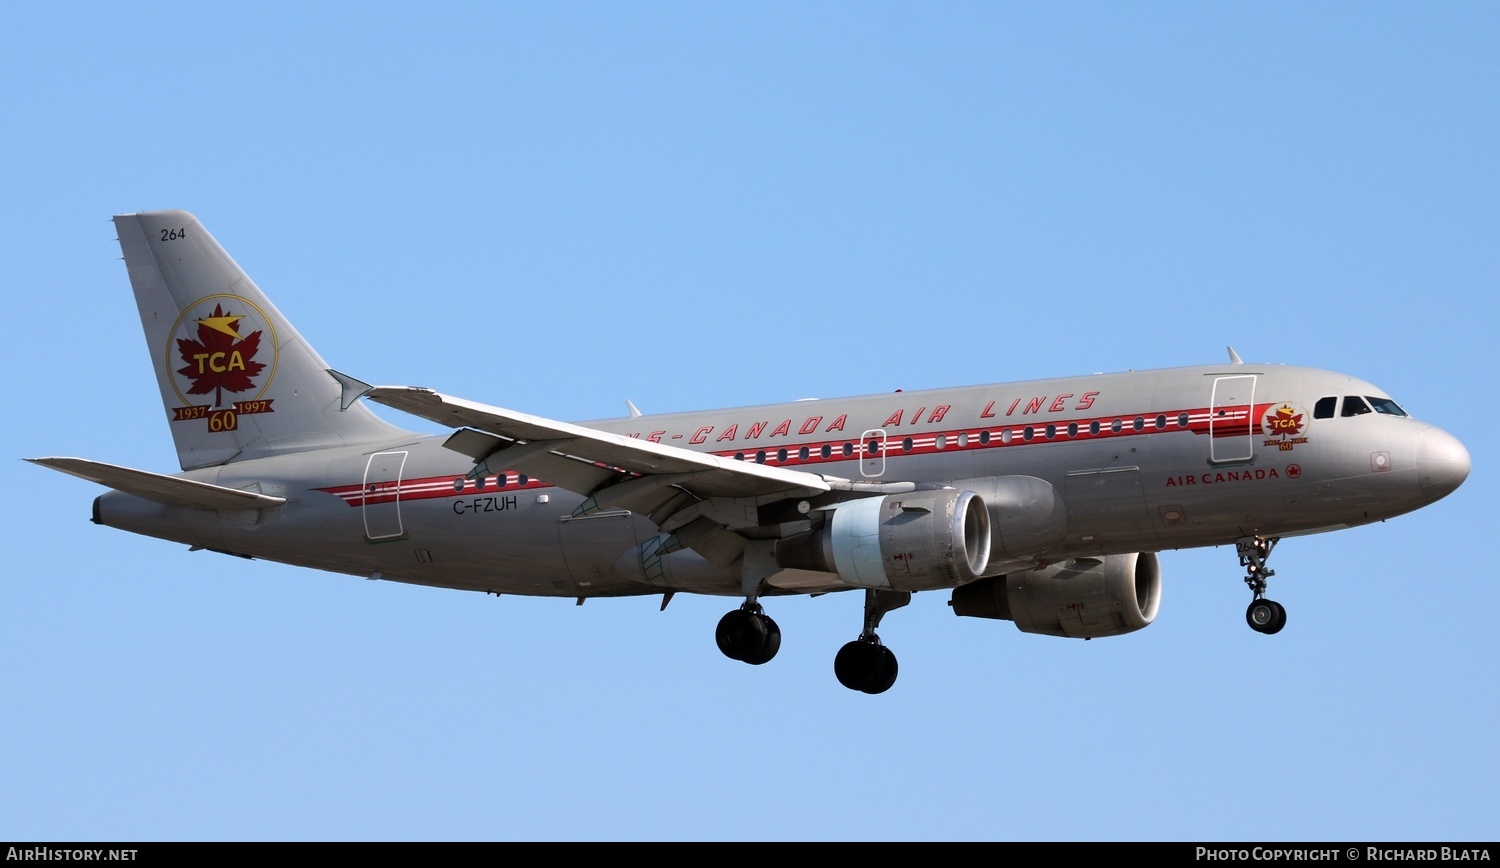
{"x": 1230, "y": 432}
{"x": 872, "y": 453}
{"x": 382, "y": 496}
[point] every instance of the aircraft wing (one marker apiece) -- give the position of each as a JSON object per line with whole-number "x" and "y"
{"x": 170, "y": 490}
{"x": 585, "y": 460}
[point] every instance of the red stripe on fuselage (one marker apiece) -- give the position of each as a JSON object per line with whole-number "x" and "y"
{"x": 1230, "y": 422}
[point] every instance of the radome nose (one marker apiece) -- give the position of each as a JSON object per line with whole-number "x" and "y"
{"x": 1442, "y": 463}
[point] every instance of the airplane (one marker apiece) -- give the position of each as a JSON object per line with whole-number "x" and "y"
{"x": 1044, "y": 503}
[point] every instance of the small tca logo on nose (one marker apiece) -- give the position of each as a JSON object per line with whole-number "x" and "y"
{"x": 1283, "y": 426}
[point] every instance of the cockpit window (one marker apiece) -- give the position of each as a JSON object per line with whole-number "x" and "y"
{"x": 1354, "y": 405}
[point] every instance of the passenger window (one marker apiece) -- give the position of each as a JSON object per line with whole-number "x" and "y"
{"x": 1354, "y": 406}
{"x": 1386, "y": 406}
{"x": 1324, "y": 408}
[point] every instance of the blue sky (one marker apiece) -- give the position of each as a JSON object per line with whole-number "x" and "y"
{"x": 559, "y": 207}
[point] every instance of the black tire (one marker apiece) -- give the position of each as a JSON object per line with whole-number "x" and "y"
{"x": 1278, "y": 620}
{"x": 741, "y": 635}
{"x": 861, "y": 666}
{"x": 769, "y": 646}
{"x": 1261, "y": 615}
{"x": 887, "y": 673}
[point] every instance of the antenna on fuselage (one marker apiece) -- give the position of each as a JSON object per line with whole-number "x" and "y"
{"x": 1234, "y": 357}
{"x": 633, "y": 411}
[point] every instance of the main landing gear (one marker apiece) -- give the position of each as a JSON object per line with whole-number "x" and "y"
{"x": 865, "y": 664}
{"x": 1263, "y": 616}
{"x": 748, "y": 634}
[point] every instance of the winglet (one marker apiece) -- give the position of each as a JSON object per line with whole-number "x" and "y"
{"x": 633, "y": 411}
{"x": 1234, "y": 357}
{"x": 351, "y": 390}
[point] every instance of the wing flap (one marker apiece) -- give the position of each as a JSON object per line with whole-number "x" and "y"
{"x": 158, "y": 487}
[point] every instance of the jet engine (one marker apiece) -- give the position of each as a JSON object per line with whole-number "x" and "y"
{"x": 915, "y": 541}
{"x": 1080, "y": 599}
{"x": 1026, "y": 515}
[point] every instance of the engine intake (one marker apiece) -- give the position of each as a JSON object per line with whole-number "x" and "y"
{"x": 1081, "y": 599}
{"x": 915, "y": 541}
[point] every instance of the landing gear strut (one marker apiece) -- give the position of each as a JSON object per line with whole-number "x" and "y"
{"x": 865, "y": 664}
{"x": 1263, "y": 616}
{"x": 748, "y": 634}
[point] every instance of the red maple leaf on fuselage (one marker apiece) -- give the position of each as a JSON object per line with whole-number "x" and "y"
{"x": 220, "y": 360}
{"x": 1286, "y": 422}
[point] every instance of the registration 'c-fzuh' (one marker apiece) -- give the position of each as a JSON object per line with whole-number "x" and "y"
{"x": 1042, "y": 503}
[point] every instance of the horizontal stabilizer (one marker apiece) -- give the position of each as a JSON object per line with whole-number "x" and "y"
{"x": 170, "y": 490}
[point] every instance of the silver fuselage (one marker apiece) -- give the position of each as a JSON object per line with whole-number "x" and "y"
{"x": 1143, "y": 462}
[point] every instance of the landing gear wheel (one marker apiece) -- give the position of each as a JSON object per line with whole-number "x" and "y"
{"x": 740, "y": 632}
{"x": 1279, "y": 621}
{"x": 866, "y": 665}
{"x": 1265, "y": 616}
{"x": 748, "y": 636}
{"x": 769, "y": 647}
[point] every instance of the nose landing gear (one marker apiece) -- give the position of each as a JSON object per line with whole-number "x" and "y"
{"x": 1263, "y": 615}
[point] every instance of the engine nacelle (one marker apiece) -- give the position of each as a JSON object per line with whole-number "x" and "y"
{"x": 1027, "y": 517}
{"x": 1081, "y": 599}
{"x": 915, "y": 541}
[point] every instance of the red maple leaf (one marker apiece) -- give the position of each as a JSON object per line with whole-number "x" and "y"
{"x": 1285, "y": 422}
{"x": 220, "y": 361}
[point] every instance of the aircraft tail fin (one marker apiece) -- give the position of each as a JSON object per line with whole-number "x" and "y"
{"x": 237, "y": 381}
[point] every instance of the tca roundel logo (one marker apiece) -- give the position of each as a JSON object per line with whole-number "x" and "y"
{"x": 1284, "y": 425}
{"x": 221, "y": 358}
